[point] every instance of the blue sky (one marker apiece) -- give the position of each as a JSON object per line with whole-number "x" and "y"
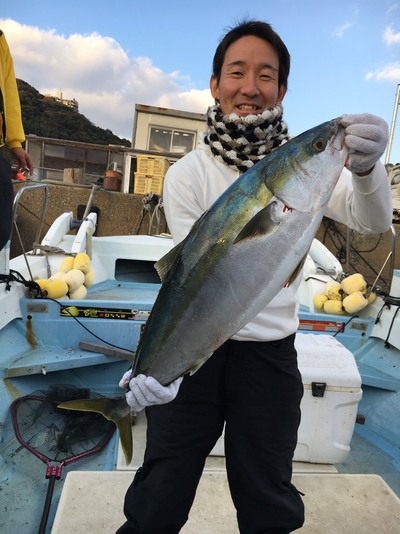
{"x": 111, "y": 55}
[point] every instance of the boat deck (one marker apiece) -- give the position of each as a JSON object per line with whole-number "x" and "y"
{"x": 335, "y": 503}
{"x": 341, "y": 503}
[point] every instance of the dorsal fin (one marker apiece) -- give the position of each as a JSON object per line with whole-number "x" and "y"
{"x": 164, "y": 264}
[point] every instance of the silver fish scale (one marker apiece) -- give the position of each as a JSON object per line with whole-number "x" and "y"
{"x": 235, "y": 273}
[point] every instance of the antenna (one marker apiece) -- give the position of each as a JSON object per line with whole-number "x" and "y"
{"x": 391, "y": 134}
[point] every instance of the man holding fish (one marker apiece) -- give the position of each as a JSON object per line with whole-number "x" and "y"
{"x": 251, "y": 383}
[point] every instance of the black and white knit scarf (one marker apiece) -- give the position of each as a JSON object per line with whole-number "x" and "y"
{"x": 242, "y": 141}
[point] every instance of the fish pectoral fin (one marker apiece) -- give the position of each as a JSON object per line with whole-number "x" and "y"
{"x": 296, "y": 272}
{"x": 115, "y": 410}
{"x": 196, "y": 366}
{"x": 164, "y": 264}
{"x": 265, "y": 222}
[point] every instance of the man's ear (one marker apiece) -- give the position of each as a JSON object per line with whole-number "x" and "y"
{"x": 281, "y": 94}
{"x": 214, "y": 87}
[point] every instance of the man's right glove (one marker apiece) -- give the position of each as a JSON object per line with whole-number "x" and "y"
{"x": 146, "y": 391}
{"x": 366, "y": 137}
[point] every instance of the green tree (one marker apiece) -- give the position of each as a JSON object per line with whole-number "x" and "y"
{"x": 45, "y": 117}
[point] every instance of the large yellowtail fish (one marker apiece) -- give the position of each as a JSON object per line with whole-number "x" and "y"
{"x": 237, "y": 257}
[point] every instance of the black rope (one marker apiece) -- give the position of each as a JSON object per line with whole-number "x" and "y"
{"x": 388, "y": 302}
{"x": 341, "y": 331}
{"x": 15, "y": 276}
{"x": 387, "y": 344}
{"x": 65, "y": 309}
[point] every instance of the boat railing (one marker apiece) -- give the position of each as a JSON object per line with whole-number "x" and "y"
{"x": 393, "y": 250}
{"x": 17, "y": 199}
{"x": 391, "y": 256}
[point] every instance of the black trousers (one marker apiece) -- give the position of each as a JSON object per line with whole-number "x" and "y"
{"x": 256, "y": 389}
{"x": 6, "y": 200}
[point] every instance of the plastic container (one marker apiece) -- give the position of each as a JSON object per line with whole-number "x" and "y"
{"x": 332, "y": 391}
{"x": 145, "y": 184}
{"x": 327, "y": 421}
{"x": 152, "y": 165}
{"x": 112, "y": 180}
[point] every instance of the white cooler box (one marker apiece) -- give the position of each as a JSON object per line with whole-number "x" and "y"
{"x": 332, "y": 391}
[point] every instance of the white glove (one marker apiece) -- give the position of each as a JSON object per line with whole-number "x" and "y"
{"x": 366, "y": 137}
{"x": 147, "y": 391}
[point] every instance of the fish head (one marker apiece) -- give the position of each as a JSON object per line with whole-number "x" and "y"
{"x": 311, "y": 165}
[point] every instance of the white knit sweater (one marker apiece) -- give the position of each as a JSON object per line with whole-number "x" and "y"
{"x": 193, "y": 183}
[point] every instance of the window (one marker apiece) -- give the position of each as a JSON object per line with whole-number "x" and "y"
{"x": 169, "y": 140}
{"x": 92, "y": 161}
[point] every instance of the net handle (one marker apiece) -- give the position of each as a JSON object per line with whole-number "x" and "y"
{"x": 14, "y": 407}
{"x": 98, "y": 448}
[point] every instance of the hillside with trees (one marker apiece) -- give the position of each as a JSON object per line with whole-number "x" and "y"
{"x": 45, "y": 117}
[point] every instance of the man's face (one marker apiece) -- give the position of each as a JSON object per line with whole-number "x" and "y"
{"x": 249, "y": 78}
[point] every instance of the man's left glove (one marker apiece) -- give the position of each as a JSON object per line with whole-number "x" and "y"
{"x": 146, "y": 391}
{"x": 366, "y": 137}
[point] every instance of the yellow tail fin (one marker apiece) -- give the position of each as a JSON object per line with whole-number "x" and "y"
{"x": 116, "y": 410}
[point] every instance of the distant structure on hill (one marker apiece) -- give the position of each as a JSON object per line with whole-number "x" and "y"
{"x": 58, "y": 97}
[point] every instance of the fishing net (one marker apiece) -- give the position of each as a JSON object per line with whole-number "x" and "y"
{"x": 58, "y": 437}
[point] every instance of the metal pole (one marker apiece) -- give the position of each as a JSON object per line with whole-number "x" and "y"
{"x": 391, "y": 134}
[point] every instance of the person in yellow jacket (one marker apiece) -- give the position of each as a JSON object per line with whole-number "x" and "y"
{"x": 11, "y": 135}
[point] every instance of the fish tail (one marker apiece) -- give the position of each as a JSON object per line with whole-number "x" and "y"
{"x": 116, "y": 410}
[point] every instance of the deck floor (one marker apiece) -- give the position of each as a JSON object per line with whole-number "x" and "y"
{"x": 335, "y": 503}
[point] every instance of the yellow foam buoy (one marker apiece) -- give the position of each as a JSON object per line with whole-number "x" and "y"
{"x": 82, "y": 262}
{"x": 334, "y": 307}
{"x": 353, "y": 283}
{"x": 319, "y": 301}
{"x": 56, "y": 289}
{"x": 89, "y": 277}
{"x": 79, "y": 293}
{"x": 57, "y": 276}
{"x": 74, "y": 279}
{"x": 67, "y": 264}
{"x": 355, "y": 302}
{"x": 333, "y": 291}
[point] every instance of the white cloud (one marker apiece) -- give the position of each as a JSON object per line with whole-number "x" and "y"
{"x": 389, "y": 72}
{"x": 193, "y": 100}
{"x": 390, "y": 37}
{"x": 98, "y": 73}
{"x": 340, "y": 30}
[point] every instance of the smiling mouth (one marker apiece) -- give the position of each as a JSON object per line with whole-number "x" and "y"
{"x": 249, "y": 107}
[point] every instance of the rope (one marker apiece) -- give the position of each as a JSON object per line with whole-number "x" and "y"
{"x": 152, "y": 208}
{"x": 52, "y": 250}
{"x": 15, "y": 276}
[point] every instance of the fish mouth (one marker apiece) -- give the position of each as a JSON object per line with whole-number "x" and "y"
{"x": 338, "y": 135}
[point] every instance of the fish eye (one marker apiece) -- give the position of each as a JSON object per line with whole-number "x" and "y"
{"x": 319, "y": 144}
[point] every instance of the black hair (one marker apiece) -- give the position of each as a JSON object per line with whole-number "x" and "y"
{"x": 260, "y": 29}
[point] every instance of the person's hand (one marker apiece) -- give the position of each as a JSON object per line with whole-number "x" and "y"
{"x": 24, "y": 160}
{"x": 146, "y": 391}
{"x": 366, "y": 137}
